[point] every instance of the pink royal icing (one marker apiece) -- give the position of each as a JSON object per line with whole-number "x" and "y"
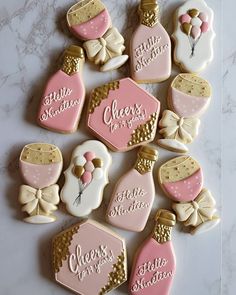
{"x": 93, "y": 28}
{"x": 153, "y": 270}
{"x": 62, "y": 102}
{"x": 40, "y": 176}
{"x": 150, "y": 54}
{"x": 121, "y": 113}
{"x": 187, "y": 105}
{"x": 187, "y": 189}
{"x": 131, "y": 201}
{"x": 92, "y": 253}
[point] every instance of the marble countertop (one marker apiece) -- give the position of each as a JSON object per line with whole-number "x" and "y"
{"x": 33, "y": 34}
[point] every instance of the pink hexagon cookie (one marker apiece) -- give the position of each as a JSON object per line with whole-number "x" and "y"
{"x": 123, "y": 115}
{"x": 88, "y": 259}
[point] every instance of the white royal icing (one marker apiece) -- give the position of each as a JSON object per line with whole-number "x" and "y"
{"x": 203, "y": 53}
{"x": 91, "y": 197}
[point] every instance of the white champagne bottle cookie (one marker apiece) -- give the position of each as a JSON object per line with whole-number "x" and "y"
{"x": 193, "y": 36}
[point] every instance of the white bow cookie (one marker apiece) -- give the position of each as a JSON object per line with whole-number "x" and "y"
{"x": 111, "y": 44}
{"x": 180, "y": 129}
{"x": 196, "y": 212}
{"x": 45, "y": 199}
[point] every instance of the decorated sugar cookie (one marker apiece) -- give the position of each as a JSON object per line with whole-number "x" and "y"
{"x": 85, "y": 178}
{"x": 132, "y": 199}
{"x": 40, "y": 165}
{"x": 89, "y": 258}
{"x": 193, "y": 36}
{"x": 154, "y": 264}
{"x": 189, "y": 95}
{"x": 63, "y": 98}
{"x": 89, "y": 20}
{"x": 150, "y": 48}
{"x": 123, "y": 115}
{"x": 177, "y": 131}
{"x": 181, "y": 178}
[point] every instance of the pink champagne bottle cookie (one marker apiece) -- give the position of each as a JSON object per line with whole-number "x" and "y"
{"x": 133, "y": 197}
{"x": 154, "y": 264}
{"x": 150, "y": 47}
{"x": 89, "y": 259}
{"x": 64, "y": 95}
{"x": 40, "y": 166}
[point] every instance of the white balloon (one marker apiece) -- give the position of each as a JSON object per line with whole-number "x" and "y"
{"x": 196, "y": 21}
{"x": 79, "y": 161}
{"x": 97, "y": 173}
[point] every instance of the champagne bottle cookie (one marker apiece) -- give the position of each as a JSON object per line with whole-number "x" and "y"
{"x": 193, "y": 36}
{"x": 132, "y": 199}
{"x": 150, "y": 47}
{"x": 40, "y": 165}
{"x": 88, "y": 258}
{"x": 85, "y": 178}
{"x": 64, "y": 94}
{"x": 154, "y": 265}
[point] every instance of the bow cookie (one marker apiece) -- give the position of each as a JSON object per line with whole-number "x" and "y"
{"x": 181, "y": 129}
{"x": 196, "y": 212}
{"x": 39, "y": 201}
{"x": 111, "y": 44}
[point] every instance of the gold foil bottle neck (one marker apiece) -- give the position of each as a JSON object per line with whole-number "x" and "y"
{"x": 147, "y": 156}
{"x": 165, "y": 220}
{"x": 73, "y": 60}
{"x": 149, "y": 10}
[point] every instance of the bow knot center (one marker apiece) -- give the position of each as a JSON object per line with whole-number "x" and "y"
{"x": 195, "y": 205}
{"x": 39, "y": 194}
{"x": 181, "y": 122}
{"x": 103, "y": 42}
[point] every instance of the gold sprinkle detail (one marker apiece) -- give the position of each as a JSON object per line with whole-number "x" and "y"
{"x": 101, "y": 93}
{"x": 117, "y": 276}
{"x": 72, "y": 65}
{"x": 60, "y": 247}
{"x": 145, "y": 132}
{"x": 143, "y": 165}
{"x": 162, "y": 233}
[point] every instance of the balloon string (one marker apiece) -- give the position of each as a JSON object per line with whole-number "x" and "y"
{"x": 194, "y": 44}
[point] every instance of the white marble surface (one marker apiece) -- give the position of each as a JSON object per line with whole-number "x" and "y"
{"x": 32, "y": 35}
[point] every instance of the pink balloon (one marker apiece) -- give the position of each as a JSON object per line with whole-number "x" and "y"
{"x": 89, "y": 166}
{"x": 89, "y": 156}
{"x": 203, "y": 17}
{"x": 185, "y": 18}
{"x": 86, "y": 177}
{"x": 195, "y": 32}
{"x": 204, "y": 27}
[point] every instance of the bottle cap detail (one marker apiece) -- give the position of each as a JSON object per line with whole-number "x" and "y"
{"x": 148, "y": 10}
{"x": 75, "y": 51}
{"x": 73, "y": 60}
{"x": 148, "y": 153}
{"x": 165, "y": 217}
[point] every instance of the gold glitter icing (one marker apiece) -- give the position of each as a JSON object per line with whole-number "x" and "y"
{"x": 117, "y": 276}
{"x": 73, "y": 60}
{"x": 147, "y": 157}
{"x": 101, "y": 93}
{"x": 60, "y": 247}
{"x": 165, "y": 220}
{"x": 148, "y": 11}
{"x": 144, "y": 132}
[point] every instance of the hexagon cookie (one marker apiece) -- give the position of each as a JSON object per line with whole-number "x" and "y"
{"x": 88, "y": 259}
{"x": 123, "y": 115}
